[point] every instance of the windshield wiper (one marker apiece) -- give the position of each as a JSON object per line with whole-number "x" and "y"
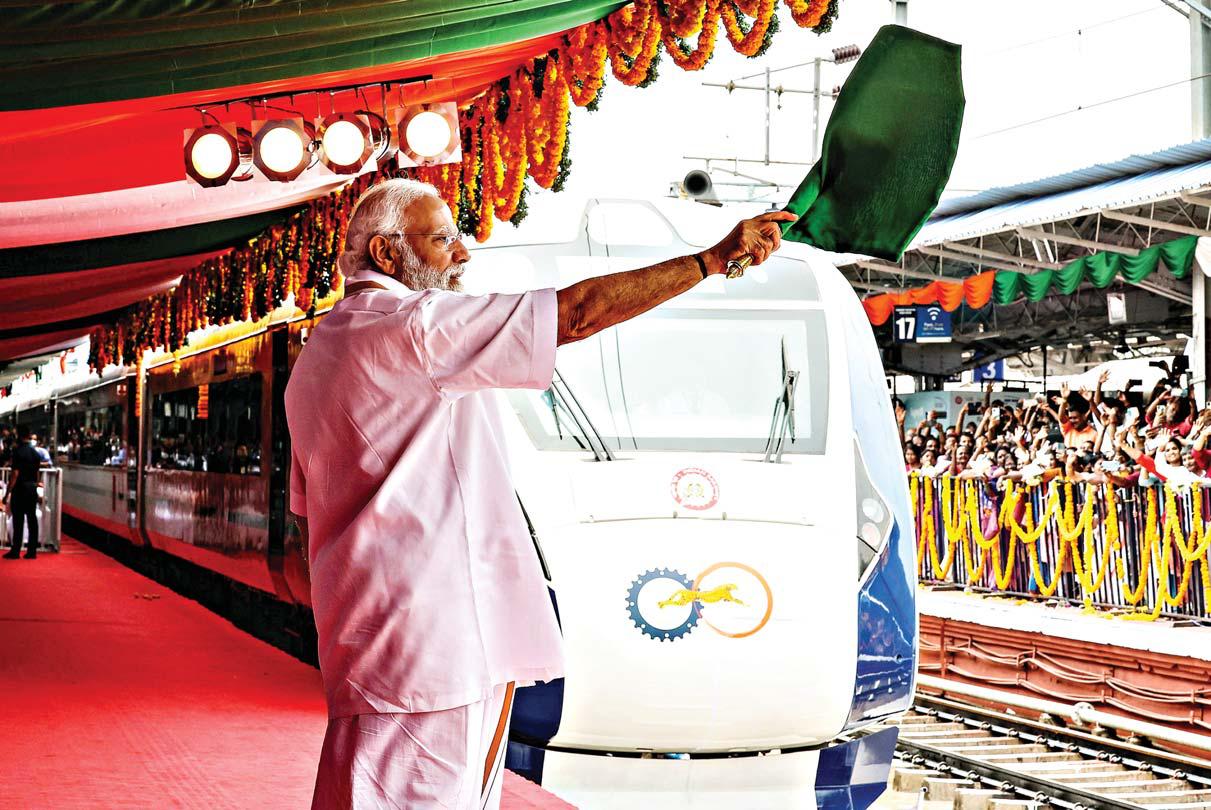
{"x": 562, "y": 398}
{"x": 784, "y": 412}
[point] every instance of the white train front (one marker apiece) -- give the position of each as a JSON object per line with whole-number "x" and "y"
{"x": 716, "y": 492}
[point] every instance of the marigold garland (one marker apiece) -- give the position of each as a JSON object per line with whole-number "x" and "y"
{"x": 707, "y": 28}
{"x": 1163, "y": 550}
{"x": 751, "y": 40}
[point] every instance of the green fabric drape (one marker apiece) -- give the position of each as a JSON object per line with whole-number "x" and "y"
{"x": 57, "y": 54}
{"x": 888, "y": 148}
{"x": 1099, "y": 269}
{"x": 185, "y": 240}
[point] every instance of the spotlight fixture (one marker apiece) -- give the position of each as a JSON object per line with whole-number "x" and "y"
{"x": 214, "y": 153}
{"x": 282, "y": 148}
{"x": 429, "y": 134}
{"x": 347, "y": 140}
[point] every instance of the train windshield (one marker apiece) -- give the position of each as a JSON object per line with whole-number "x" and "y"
{"x": 691, "y": 381}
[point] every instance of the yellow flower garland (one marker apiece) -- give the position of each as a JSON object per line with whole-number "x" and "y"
{"x": 1160, "y": 548}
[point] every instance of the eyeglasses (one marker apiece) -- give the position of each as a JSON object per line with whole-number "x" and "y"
{"x": 448, "y": 239}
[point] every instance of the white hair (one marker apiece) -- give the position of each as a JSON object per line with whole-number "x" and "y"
{"x": 380, "y": 210}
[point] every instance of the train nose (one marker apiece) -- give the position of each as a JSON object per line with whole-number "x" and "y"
{"x": 697, "y": 635}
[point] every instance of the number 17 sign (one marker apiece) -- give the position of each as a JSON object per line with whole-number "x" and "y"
{"x": 904, "y": 324}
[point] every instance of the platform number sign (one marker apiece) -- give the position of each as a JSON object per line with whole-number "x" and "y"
{"x": 904, "y": 324}
{"x": 989, "y": 372}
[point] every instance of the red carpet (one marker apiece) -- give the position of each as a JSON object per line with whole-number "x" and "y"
{"x": 112, "y": 699}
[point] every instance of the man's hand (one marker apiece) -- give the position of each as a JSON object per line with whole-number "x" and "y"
{"x": 758, "y": 237}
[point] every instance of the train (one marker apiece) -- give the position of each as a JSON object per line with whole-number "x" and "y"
{"x": 714, "y": 491}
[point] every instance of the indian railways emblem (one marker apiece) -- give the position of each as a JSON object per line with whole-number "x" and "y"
{"x": 731, "y": 598}
{"x": 695, "y": 488}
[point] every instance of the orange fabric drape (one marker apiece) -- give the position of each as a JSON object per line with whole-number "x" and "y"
{"x": 976, "y": 292}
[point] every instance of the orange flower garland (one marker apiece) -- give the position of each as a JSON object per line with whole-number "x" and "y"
{"x": 511, "y": 137}
{"x": 708, "y": 28}
{"x": 809, "y": 13}
{"x": 634, "y": 42}
{"x": 685, "y": 17}
{"x": 748, "y": 43}
{"x": 548, "y": 124}
{"x": 586, "y": 55}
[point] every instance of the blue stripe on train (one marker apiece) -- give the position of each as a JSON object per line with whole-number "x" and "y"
{"x": 887, "y": 611}
{"x": 853, "y": 775}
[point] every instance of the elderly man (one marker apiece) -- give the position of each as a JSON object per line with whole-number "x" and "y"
{"x": 429, "y": 602}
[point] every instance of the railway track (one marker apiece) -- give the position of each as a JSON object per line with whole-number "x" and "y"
{"x": 953, "y": 755}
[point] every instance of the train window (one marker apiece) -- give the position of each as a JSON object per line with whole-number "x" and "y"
{"x": 91, "y": 435}
{"x": 710, "y": 379}
{"x": 692, "y": 380}
{"x": 210, "y": 428}
{"x": 38, "y": 419}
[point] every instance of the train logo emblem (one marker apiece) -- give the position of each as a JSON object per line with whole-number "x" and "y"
{"x": 695, "y": 488}
{"x": 730, "y": 598}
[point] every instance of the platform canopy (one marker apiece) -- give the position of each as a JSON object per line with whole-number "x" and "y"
{"x": 1030, "y": 265}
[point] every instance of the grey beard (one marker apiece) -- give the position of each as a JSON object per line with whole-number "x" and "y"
{"x": 427, "y": 277}
{"x": 418, "y": 276}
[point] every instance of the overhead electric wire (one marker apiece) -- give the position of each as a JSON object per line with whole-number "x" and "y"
{"x": 1091, "y": 106}
{"x": 1062, "y": 34}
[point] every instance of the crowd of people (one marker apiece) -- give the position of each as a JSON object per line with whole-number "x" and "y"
{"x": 1126, "y": 437}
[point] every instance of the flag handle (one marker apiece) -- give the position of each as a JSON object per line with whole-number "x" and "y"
{"x": 736, "y": 267}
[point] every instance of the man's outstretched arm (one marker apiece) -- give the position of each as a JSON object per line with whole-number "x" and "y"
{"x": 594, "y": 304}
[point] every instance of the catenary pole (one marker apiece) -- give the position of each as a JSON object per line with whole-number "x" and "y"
{"x": 1200, "y": 125}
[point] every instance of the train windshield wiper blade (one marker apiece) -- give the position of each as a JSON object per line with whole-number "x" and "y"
{"x": 783, "y": 420}
{"x": 566, "y": 401}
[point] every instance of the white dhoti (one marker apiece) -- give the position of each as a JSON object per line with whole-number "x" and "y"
{"x": 451, "y": 759}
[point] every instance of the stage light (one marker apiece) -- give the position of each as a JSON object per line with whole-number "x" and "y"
{"x": 429, "y": 134}
{"x": 347, "y": 140}
{"x": 282, "y": 148}
{"x": 214, "y": 153}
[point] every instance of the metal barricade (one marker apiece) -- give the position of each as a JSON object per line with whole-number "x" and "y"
{"x": 1145, "y": 549}
{"x": 50, "y": 509}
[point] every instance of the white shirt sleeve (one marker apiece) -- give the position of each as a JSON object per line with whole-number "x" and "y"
{"x": 475, "y": 342}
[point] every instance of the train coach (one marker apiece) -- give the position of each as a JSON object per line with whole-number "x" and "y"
{"x": 714, "y": 491}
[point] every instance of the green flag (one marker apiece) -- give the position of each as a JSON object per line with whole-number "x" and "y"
{"x": 888, "y": 148}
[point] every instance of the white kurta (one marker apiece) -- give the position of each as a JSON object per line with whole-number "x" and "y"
{"x": 426, "y": 587}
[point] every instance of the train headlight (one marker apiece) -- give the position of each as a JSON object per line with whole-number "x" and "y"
{"x": 874, "y": 518}
{"x": 873, "y": 510}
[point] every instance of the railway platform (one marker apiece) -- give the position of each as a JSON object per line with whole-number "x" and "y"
{"x": 1185, "y": 638}
{"x": 120, "y": 693}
